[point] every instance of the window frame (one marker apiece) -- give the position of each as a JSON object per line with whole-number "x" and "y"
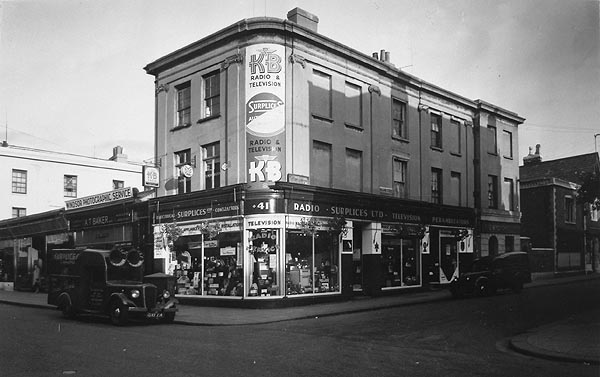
{"x": 355, "y": 153}
{"x": 184, "y": 184}
{"x": 19, "y": 181}
{"x": 183, "y": 112}
{"x": 403, "y": 182}
{"x": 570, "y": 210}
{"x": 458, "y": 124}
{"x": 399, "y": 132}
{"x": 511, "y": 193}
{"x": 508, "y": 134}
{"x": 20, "y": 212}
{"x": 73, "y": 192}
{"x": 492, "y": 191}
{"x": 351, "y": 104}
{"x": 211, "y": 156}
{"x": 495, "y": 141}
{"x": 212, "y": 92}
{"x": 316, "y": 114}
{"x": 458, "y": 176}
{"x": 437, "y": 186}
{"x": 436, "y": 134}
{"x": 329, "y": 148}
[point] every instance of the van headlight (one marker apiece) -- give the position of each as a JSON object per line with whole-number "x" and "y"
{"x": 166, "y": 294}
{"x": 135, "y": 293}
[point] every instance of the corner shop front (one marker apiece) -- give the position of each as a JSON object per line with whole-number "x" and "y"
{"x": 301, "y": 242}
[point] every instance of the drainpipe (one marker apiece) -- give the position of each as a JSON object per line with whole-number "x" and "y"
{"x": 372, "y": 89}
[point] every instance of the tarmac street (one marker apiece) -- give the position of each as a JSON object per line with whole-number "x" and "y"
{"x": 533, "y": 323}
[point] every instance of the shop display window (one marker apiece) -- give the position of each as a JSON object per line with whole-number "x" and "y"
{"x": 264, "y": 249}
{"x": 216, "y": 271}
{"x": 401, "y": 264}
{"x": 7, "y": 256}
{"x": 311, "y": 263}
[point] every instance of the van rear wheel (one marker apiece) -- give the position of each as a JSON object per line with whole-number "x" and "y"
{"x": 67, "y": 309}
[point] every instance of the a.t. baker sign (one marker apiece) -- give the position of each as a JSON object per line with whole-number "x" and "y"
{"x": 265, "y": 114}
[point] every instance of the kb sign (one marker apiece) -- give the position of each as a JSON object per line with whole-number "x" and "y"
{"x": 265, "y": 114}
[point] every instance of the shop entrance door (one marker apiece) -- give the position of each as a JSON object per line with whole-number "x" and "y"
{"x": 448, "y": 258}
{"x": 357, "y": 259}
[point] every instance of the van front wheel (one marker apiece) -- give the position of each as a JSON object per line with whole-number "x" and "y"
{"x": 118, "y": 313}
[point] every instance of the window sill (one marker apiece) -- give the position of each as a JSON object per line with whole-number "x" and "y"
{"x": 493, "y": 154}
{"x": 456, "y": 154}
{"x": 438, "y": 149}
{"x": 206, "y": 119}
{"x": 176, "y": 128}
{"x": 322, "y": 118}
{"x": 353, "y": 127}
{"x": 508, "y": 157}
{"x": 400, "y": 139}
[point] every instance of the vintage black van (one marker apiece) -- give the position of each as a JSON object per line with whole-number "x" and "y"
{"x": 489, "y": 274}
{"x": 109, "y": 282}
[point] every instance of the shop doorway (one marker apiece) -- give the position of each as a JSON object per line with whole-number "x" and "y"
{"x": 447, "y": 257}
{"x": 357, "y": 259}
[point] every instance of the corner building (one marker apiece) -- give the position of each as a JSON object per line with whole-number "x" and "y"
{"x": 292, "y": 166}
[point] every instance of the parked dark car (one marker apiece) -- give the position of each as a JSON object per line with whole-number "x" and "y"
{"x": 489, "y": 274}
{"x": 108, "y": 282}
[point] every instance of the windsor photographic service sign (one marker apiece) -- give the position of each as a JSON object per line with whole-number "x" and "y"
{"x": 111, "y": 196}
{"x": 265, "y": 114}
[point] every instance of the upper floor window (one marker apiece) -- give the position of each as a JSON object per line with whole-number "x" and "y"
{"x": 184, "y": 180}
{"x": 320, "y": 164}
{"x": 493, "y": 147}
{"x": 212, "y": 94}
{"x": 212, "y": 168}
{"x": 184, "y": 105}
{"x": 18, "y": 212}
{"x": 70, "y": 186}
{"x": 509, "y": 194}
{"x": 456, "y": 129}
{"x": 354, "y": 169}
{"x": 569, "y": 209}
{"x": 436, "y": 186}
{"x": 399, "y": 127}
{"x": 492, "y": 191}
{"x": 507, "y": 144}
{"x": 118, "y": 184}
{"x": 436, "y": 130}
{"x": 19, "y": 181}
{"x": 353, "y": 108}
{"x": 320, "y": 95}
{"x": 455, "y": 188}
{"x": 400, "y": 168}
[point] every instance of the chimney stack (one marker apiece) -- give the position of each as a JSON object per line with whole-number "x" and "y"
{"x": 533, "y": 158}
{"x": 118, "y": 155}
{"x": 303, "y": 18}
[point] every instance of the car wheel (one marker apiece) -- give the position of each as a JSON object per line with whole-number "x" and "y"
{"x": 67, "y": 309}
{"x": 118, "y": 313}
{"x": 169, "y": 317}
{"x": 482, "y": 288}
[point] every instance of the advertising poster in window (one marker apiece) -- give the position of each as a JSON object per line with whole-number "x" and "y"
{"x": 265, "y": 114}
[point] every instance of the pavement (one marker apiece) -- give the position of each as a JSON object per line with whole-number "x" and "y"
{"x": 575, "y": 339}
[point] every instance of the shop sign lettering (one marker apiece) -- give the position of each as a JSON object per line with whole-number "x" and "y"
{"x": 265, "y": 169}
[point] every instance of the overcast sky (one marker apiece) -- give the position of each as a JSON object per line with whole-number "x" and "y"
{"x": 72, "y": 77}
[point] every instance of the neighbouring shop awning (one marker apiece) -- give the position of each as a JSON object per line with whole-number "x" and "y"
{"x": 48, "y": 222}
